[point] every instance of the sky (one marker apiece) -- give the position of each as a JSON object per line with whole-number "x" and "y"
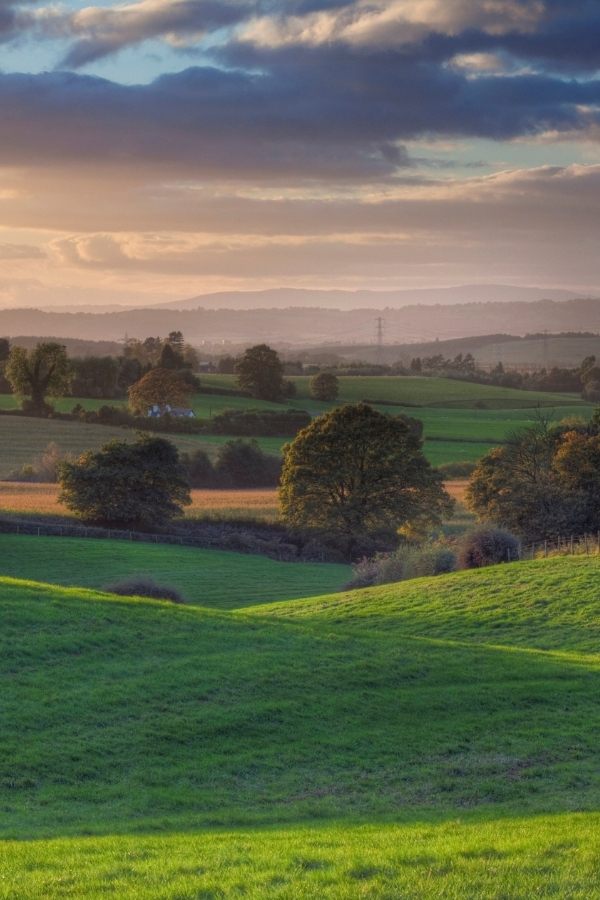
{"x": 159, "y": 149}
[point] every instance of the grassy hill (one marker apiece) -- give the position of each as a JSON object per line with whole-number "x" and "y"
{"x": 212, "y": 578}
{"x": 434, "y": 738}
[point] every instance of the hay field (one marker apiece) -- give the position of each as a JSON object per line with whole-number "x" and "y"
{"x": 42, "y": 499}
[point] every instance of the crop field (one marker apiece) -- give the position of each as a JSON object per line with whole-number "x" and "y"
{"x": 42, "y": 500}
{"x": 212, "y": 578}
{"x": 436, "y": 738}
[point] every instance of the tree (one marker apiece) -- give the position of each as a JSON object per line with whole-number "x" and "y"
{"x": 170, "y": 358}
{"x": 95, "y": 376}
{"x": 260, "y": 372}
{"x": 158, "y": 386}
{"x": 324, "y": 386}
{"x": 356, "y": 470}
{"x": 543, "y": 484}
{"x": 242, "y": 464}
{"x": 42, "y": 372}
{"x": 131, "y": 485}
{"x": 200, "y": 469}
{"x": 176, "y": 341}
{"x": 226, "y": 365}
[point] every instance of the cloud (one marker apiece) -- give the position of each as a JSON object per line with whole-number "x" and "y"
{"x": 101, "y": 31}
{"x": 20, "y": 251}
{"x": 539, "y": 225}
{"x": 321, "y": 114}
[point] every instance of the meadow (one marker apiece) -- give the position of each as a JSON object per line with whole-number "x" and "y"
{"x": 198, "y": 573}
{"x": 420, "y": 391}
{"x": 435, "y": 738}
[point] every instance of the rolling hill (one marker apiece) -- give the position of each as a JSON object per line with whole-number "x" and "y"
{"x": 433, "y": 738}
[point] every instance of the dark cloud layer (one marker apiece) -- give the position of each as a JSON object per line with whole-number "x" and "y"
{"x": 316, "y": 113}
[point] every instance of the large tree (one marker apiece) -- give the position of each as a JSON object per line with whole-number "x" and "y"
{"x": 260, "y": 372}
{"x": 131, "y": 485}
{"x": 37, "y": 374}
{"x": 356, "y": 470}
{"x": 160, "y": 386}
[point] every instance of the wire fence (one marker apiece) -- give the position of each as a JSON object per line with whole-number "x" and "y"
{"x": 572, "y": 545}
{"x": 48, "y": 529}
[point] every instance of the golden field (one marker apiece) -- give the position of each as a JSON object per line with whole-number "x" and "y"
{"x": 25, "y": 497}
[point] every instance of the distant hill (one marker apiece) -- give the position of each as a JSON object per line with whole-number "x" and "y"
{"x": 222, "y": 329}
{"x": 280, "y": 298}
{"x": 533, "y": 350}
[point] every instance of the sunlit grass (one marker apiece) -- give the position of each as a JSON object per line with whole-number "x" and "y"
{"x": 427, "y": 739}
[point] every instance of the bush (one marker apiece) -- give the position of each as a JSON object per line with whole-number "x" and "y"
{"x": 406, "y": 562}
{"x": 487, "y": 547}
{"x": 457, "y": 469}
{"x": 200, "y": 469}
{"x": 44, "y": 469}
{"x": 242, "y": 464}
{"x": 260, "y": 422}
{"x": 142, "y": 586}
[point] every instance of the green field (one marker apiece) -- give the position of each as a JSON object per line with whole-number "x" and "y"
{"x": 213, "y": 578}
{"x": 562, "y": 351}
{"x": 436, "y": 738}
{"x": 22, "y": 439}
{"x": 420, "y": 391}
{"x": 455, "y": 429}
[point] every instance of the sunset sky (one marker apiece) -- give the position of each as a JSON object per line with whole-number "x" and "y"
{"x": 156, "y": 150}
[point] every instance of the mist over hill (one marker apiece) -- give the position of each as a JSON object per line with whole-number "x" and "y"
{"x": 301, "y": 326}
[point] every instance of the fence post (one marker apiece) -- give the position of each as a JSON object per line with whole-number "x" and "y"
{"x": 545, "y": 549}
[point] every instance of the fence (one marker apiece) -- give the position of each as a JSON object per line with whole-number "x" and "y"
{"x": 47, "y": 529}
{"x": 216, "y": 538}
{"x": 573, "y": 545}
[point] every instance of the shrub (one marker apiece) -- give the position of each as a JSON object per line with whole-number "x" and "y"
{"x": 242, "y": 464}
{"x": 406, "y": 562}
{"x": 457, "y": 469}
{"x": 44, "y": 469}
{"x": 142, "y": 586}
{"x": 260, "y": 422}
{"x": 487, "y": 547}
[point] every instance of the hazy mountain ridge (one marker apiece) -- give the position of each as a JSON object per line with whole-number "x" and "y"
{"x": 299, "y": 326}
{"x": 366, "y": 299}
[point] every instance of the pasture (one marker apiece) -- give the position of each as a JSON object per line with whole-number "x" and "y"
{"x": 419, "y": 391}
{"x": 432, "y": 738}
{"x": 214, "y": 578}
